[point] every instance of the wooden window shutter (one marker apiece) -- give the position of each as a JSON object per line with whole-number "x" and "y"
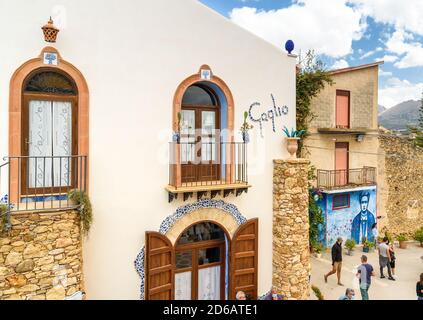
{"x": 244, "y": 260}
{"x": 160, "y": 267}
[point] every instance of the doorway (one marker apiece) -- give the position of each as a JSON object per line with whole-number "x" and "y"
{"x": 49, "y": 132}
{"x": 201, "y": 255}
{"x": 341, "y": 164}
{"x": 200, "y": 141}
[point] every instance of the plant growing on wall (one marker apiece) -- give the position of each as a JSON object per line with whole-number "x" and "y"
{"x": 315, "y": 212}
{"x": 83, "y": 201}
{"x": 311, "y": 79}
{"x": 3, "y": 218}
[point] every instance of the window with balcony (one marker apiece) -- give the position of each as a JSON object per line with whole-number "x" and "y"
{"x": 206, "y": 159}
{"x": 48, "y": 136}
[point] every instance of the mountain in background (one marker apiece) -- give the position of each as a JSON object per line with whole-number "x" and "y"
{"x": 381, "y": 109}
{"x": 401, "y": 116}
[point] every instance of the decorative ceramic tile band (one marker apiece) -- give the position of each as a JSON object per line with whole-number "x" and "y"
{"x": 170, "y": 221}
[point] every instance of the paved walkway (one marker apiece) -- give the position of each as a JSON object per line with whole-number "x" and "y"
{"x": 409, "y": 268}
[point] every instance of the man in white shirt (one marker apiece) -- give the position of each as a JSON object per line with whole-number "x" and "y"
{"x": 385, "y": 259}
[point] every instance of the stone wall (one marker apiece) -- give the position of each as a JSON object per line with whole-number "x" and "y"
{"x": 402, "y": 186}
{"x": 291, "y": 253}
{"x": 41, "y": 257}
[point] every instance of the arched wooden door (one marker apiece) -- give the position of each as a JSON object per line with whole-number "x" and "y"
{"x": 161, "y": 266}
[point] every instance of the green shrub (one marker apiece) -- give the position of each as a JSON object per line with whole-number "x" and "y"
{"x": 318, "y": 248}
{"x": 402, "y": 237}
{"x": 418, "y": 236}
{"x": 318, "y": 293}
{"x": 3, "y": 217}
{"x": 81, "y": 198}
{"x": 350, "y": 244}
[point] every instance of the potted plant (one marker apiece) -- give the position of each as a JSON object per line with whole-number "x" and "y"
{"x": 418, "y": 236}
{"x": 402, "y": 238}
{"x": 371, "y": 246}
{"x": 293, "y": 137}
{"x": 177, "y": 134}
{"x": 317, "y": 249}
{"x": 366, "y": 246}
{"x": 350, "y": 245}
{"x": 245, "y": 128}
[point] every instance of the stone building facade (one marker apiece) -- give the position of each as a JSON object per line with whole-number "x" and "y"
{"x": 363, "y": 86}
{"x": 41, "y": 257}
{"x": 401, "y": 188}
{"x": 343, "y": 147}
{"x": 291, "y": 252}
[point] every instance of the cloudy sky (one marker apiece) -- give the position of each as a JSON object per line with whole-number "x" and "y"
{"x": 344, "y": 33}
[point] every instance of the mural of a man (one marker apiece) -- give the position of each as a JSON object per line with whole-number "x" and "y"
{"x": 363, "y": 222}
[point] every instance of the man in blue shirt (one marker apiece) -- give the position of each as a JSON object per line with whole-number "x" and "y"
{"x": 365, "y": 274}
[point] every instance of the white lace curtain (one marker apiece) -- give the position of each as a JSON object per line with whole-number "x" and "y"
{"x": 50, "y": 134}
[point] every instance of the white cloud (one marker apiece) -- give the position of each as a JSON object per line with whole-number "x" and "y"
{"x": 387, "y": 58}
{"x": 328, "y": 26}
{"x": 370, "y": 53}
{"x": 397, "y": 91}
{"x": 401, "y": 43}
{"x": 403, "y": 14}
{"x": 340, "y": 64}
{"x": 383, "y": 73}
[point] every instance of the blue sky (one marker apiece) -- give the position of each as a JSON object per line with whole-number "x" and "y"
{"x": 344, "y": 33}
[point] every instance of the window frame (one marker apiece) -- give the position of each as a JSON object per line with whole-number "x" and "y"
{"x": 27, "y": 97}
{"x": 343, "y": 93}
{"x": 341, "y": 207}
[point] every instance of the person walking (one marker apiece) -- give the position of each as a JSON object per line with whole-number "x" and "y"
{"x": 385, "y": 258}
{"x": 349, "y": 295}
{"x": 419, "y": 288}
{"x": 365, "y": 273}
{"x": 393, "y": 259}
{"x": 336, "y": 261}
{"x": 375, "y": 233}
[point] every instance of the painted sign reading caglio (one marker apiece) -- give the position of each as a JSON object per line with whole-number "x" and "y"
{"x": 270, "y": 115}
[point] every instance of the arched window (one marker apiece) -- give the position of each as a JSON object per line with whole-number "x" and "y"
{"x": 201, "y": 255}
{"x": 200, "y": 134}
{"x": 49, "y": 131}
{"x": 199, "y": 96}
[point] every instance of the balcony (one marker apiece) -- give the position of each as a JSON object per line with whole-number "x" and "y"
{"x": 345, "y": 130}
{"x": 204, "y": 168}
{"x": 42, "y": 183}
{"x": 340, "y": 179}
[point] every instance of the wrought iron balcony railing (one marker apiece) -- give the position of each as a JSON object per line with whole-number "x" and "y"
{"x": 201, "y": 167}
{"x": 333, "y": 179}
{"x": 41, "y": 183}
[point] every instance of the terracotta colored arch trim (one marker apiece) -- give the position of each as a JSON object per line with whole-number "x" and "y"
{"x": 15, "y": 107}
{"x": 177, "y": 101}
{"x": 177, "y": 107}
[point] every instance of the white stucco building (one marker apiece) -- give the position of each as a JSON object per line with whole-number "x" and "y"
{"x": 110, "y": 90}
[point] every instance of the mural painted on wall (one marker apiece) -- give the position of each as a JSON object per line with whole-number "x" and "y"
{"x": 349, "y": 215}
